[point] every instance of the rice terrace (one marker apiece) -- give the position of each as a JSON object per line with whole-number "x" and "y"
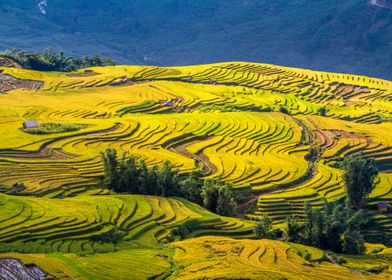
{"x": 276, "y": 135}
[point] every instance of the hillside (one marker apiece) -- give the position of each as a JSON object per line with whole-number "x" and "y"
{"x": 211, "y": 258}
{"x": 253, "y": 125}
{"x": 329, "y": 35}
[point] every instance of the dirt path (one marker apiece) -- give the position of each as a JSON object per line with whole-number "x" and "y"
{"x": 201, "y": 160}
{"x": 241, "y": 208}
{"x": 309, "y": 137}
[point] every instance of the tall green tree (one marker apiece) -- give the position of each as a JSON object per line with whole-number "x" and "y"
{"x": 210, "y": 195}
{"x": 263, "y": 229}
{"x": 294, "y": 229}
{"x": 219, "y": 198}
{"x": 352, "y": 242}
{"x": 226, "y": 201}
{"x": 359, "y": 175}
{"x": 168, "y": 180}
{"x": 110, "y": 164}
{"x": 191, "y": 187}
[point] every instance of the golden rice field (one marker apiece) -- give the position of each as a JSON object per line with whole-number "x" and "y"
{"x": 211, "y": 258}
{"x": 249, "y": 124}
{"x": 78, "y": 225}
{"x": 220, "y": 258}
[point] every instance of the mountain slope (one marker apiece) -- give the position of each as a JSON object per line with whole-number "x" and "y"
{"x": 332, "y": 35}
{"x": 253, "y": 125}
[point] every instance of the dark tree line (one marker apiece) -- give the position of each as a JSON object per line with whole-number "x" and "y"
{"x": 51, "y": 60}
{"x": 129, "y": 174}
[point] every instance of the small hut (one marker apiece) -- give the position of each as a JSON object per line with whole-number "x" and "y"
{"x": 30, "y": 124}
{"x": 382, "y": 206}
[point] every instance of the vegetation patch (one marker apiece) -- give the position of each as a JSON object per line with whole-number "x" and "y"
{"x": 51, "y": 60}
{"x": 53, "y": 128}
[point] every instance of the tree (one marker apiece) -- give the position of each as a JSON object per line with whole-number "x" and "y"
{"x": 308, "y": 224}
{"x": 294, "y": 228}
{"x": 210, "y": 195}
{"x": 129, "y": 174}
{"x": 263, "y": 229}
{"x": 226, "y": 201}
{"x": 352, "y": 242}
{"x": 191, "y": 187}
{"x": 218, "y": 198}
{"x": 152, "y": 181}
{"x": 148, "y": 179}
{"x": 110, "y": 164}
{"x": 283, "y": 109}
{"x": 359, "y": 175}
{"x": 322, "y": 111}
{"x": 168, "y": 180}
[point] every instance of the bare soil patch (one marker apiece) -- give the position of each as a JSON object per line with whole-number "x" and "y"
{"x": 8, "y": 83}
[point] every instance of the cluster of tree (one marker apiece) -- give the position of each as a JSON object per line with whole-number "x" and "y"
{"x": 337, "y": 226}
{"x": 128, "y": 174}
{"x": 51, "y": 60}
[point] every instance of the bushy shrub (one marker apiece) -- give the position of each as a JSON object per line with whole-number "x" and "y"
{"x": 264, "y": 229}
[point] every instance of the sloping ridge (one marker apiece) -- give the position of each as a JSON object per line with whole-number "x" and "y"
{"x": 6, "y": 61}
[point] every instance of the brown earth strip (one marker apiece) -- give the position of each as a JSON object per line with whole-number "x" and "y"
{"x": 9, "y": 62}
{"x": 200, "y": 158}
{"x": 8, "y": 83}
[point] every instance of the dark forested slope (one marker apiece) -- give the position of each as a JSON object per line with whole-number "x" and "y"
{"x": 333, "y": 35}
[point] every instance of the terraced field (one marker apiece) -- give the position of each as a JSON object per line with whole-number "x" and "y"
{"x": 211, "y": 258}
{"x": 253, "y": 125}
{"x": 217, "y": 257}
{"x": 98, "y": 224}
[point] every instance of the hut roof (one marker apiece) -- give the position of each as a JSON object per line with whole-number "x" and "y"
{"x": 30, "y": 124}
